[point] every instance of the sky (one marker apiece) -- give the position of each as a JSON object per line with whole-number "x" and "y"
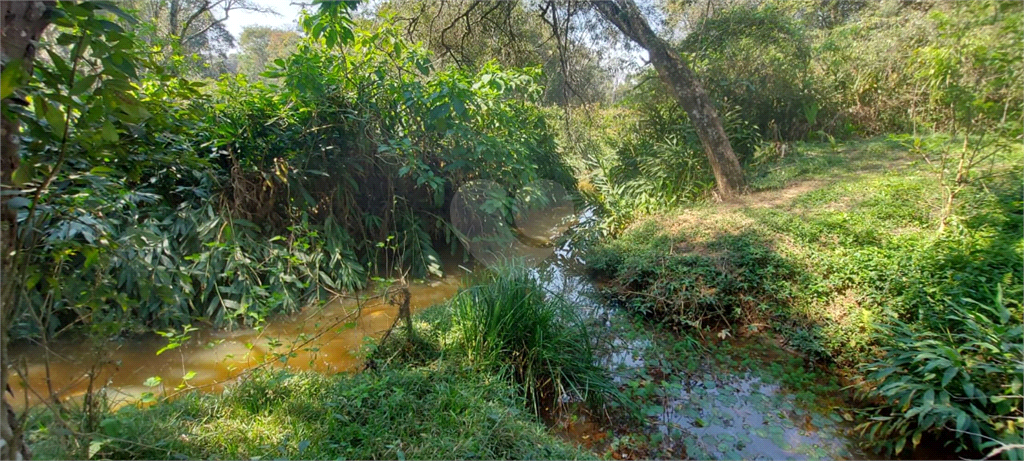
{"x": 287, "y": 19}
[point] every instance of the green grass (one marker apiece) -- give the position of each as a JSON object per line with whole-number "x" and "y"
{"x": 837, "y": 242}
{"x": 401, "y": 413}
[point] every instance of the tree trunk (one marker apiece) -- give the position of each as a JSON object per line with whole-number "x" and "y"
{"x": 686, "y": 89}
{"x": 20, "y": 27}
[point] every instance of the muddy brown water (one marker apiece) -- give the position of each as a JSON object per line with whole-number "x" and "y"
{"x": 330, "y": 338}
{"x": 705, "y": 415}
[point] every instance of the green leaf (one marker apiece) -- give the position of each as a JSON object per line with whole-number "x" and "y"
{"x": 109, "y": 133}
{"x": 961, "y": 421}
{"x": 55, "y": 117}
{"x": 11, "y": 78}
{"x": 113, "y": 8}
{"x": 136, "y": 111}
{"x": 168, "y": 347}
{"x": 152, "y": 381}
{"x": 24, "y": 174}
{"x": 899, "y": 445}
{"x": 83, "y": 85}
{"x": 949, "y": 375}
{"x": 188, "y": 376}
{"x": 102, "y": 171}
{"x": 424, "y": 67}
{"x": 95, "y": 446}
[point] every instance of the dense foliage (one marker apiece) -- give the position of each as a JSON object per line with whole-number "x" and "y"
{"x": 163, "y": 200}
{"x": 966, "y": 377}
{"x": 759, "y": 60}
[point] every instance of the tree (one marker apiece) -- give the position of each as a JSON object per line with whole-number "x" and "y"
{"x": 470, "y": 33}
{"x": 194, "y": 27}
{"x": 685, "y": 88}
{"x": 261, "y": 45}
{"x": 21, "y": 25}
{"x": 559, "y": 16}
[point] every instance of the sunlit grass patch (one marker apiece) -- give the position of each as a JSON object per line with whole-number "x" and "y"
{"x": 400, "y": 413}
{"x": 826, "y": 262}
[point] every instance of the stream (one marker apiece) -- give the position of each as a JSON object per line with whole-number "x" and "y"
{"x": 705, "y": 414}
{"x": 702, "y": 414}
{"x": 327, "y": 339}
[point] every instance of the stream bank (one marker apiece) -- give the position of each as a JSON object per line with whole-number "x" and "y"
{"x": 721, "y": 398}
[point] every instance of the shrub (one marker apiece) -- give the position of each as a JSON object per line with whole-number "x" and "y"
{"x": 935, "y": 64}
{"x": 758, "y": 60}
{"x": 963, "y": 379}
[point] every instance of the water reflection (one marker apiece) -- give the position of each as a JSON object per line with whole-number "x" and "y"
{"x": 327, "y": 338}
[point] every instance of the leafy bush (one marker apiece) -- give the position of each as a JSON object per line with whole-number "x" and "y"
{"x": 934, "y": 64}
{"x": 656, "y": 161}
{"x": 164, "y": 204}
{"x": 964, "y": 379}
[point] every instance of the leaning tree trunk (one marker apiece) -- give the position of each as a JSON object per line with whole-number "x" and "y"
{"x": 686, "y": 89}
{"x": 20, "y": 27}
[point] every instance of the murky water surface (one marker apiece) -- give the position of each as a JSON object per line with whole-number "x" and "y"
{"x": 327, "y": 338}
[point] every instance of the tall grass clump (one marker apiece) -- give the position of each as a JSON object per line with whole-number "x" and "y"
{"x": 509, "y": 324}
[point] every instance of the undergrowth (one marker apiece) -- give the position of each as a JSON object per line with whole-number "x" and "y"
{"x": 841, "y": 243}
